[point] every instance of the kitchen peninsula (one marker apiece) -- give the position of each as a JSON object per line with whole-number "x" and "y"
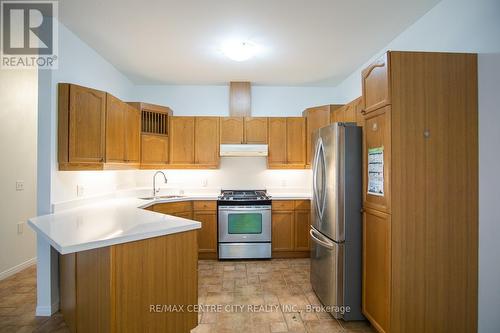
{"x": 117, "y": 260}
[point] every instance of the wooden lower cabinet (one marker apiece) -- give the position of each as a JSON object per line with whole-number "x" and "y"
{"x": 302, "y": 221}
{"x": 290, "y": 228}
{"x": 184, "y": 215}
{"x": 111, "y": 289}
{"x": 282, "y": 231}
{"x": 204, "y": 211}
{"x": 377, "y": 268}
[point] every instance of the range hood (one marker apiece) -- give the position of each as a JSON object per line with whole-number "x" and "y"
{"x": 243, "y": 150}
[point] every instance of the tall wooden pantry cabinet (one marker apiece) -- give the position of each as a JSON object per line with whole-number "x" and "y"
{"x": 420, "y": 225}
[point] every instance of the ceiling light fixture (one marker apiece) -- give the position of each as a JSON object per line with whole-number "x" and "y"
{"x": 239, "y": 51}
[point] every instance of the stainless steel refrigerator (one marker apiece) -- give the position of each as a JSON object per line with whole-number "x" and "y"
{"x": 335, "y": 233}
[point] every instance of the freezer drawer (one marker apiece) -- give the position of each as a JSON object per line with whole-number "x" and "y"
{"x": 327, "y": 266}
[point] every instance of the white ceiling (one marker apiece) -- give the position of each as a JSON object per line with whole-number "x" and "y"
{"x": 315, "y": 42}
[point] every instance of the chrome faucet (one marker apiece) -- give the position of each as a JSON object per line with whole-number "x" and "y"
{"x": 154, "y": 182}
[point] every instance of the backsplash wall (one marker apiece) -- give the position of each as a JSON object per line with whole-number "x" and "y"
{"x": 234, "y": 173}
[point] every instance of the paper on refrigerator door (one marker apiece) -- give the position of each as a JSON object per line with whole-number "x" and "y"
{"x": 376, "y": 171}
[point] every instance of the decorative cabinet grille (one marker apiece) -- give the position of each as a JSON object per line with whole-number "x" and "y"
{"x": 154, "y": 122}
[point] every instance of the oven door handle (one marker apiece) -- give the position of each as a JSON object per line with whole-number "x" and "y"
{"x": 239, "y": 209}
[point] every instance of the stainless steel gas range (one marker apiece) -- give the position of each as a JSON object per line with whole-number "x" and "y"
{"x": 244, "y": 224}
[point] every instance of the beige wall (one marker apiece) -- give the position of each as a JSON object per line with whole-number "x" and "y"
{"x": 18, "y": 132}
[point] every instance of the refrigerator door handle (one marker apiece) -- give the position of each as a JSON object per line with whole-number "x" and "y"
{"x": 323, "y": 178}
{"x": 315, "y": 175}
{"x": 329, "y": 245}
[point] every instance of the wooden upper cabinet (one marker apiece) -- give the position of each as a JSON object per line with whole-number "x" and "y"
{"x": 377, "y": 268}
{"x": 287, "y": 143}
{"x": 255, "y": 130}
{"x": 154, "y": 151}
{"x": 358, "y": 109}
{"x": 277, "y": 155}
{"x": 153, "y": 125}
{"x": 132, "y": 134}
{"x": 207, "y": 141}
{"x": 375, "y": 84}
{"x": 238, "y": 130}
{"x": 115, "y": 129}
{"x": 345, "y": 114}
{"x": 296, "y": 141}
{"x": 349, "y": 115}
{"x": 231, "y": 130}
{"x": 182, "y": 140}
{"x": 240, "y": 100}
{"x": 316, "y": 117}
{"x": 123, "y": 128}
{"x": 337, "y": 115}
{"x": 81, "y": 127}
{"x": 377, "y": 135}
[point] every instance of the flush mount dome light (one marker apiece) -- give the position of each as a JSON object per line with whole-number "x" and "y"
{"x": 239, "y": 51}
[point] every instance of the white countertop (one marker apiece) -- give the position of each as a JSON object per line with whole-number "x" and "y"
{"x": 110, "y": 221}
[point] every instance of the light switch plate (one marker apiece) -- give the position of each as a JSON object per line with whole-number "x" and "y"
{"x": 80, "y": 190}
{"x": 20, "y": 228}
{"x": 19, "y": 185}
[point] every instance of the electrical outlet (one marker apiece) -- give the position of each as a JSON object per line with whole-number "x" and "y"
{"x": 19, "y": 185}
{"x": 80, "y": 190}
{"x": 204, "y": 183}
{"x": 20, "y": 228}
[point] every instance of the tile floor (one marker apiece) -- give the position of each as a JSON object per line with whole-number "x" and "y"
{"x": 263, "y": 296}
{"x": 253, "y": 296}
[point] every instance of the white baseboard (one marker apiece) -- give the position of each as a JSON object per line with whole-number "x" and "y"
{"x": 16, "y": 269}
{"x": 47, "y": 310}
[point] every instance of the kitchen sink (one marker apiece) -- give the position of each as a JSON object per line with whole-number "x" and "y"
{"x": 162, "y": 197}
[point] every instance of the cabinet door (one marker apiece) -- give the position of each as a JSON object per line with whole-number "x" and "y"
{"x": 349, "y": 115}
{"x": 231, "y": 130}
{"x": 185, "y": 215}
{"x": 315, "y": 118}
{"x": 207, "y": 235}
{"x": 375, "y": 81}
{"x": 358, "y": 109}
{"x": 296, "y": 140}
{"x": 87, "y": 118}
{"x": 377, "y": 134}
{"x": 206, "y": 140}
{"x": 132, "y": 134}
{"x": 115, "y": 129}
{"x": 282, "y": 230}
{"x": 376, "y": 268}
{"x": 181, "y": 140}
{"x": 302, "y": 226}
{"x": 255, "y": 130}
{"x": 154, "y": 149}
{"x": 277, "y": 142}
